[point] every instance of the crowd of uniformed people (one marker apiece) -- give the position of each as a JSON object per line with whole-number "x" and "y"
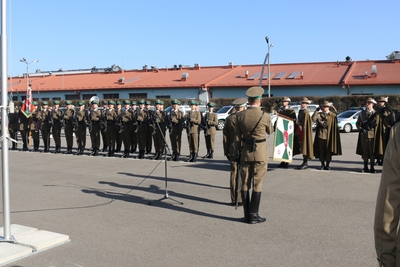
{"x": 125, "y": 127}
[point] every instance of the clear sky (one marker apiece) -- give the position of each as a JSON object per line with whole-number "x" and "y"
{"x": 80, "y": 34}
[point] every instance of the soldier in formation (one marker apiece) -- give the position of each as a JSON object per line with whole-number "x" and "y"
{"x": 176, "y": 120}
{"x": 80, "y": 124}
{"x": 304, "y": 128}
{"x": 210, "y": 124}
{"x": 192, "y": 124}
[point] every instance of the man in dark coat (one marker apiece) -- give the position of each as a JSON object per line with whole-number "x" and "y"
{"x": 327, "y": 137}
{"x": 304, "y": 128}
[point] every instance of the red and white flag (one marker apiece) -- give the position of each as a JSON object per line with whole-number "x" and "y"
{"x": 27, "y": 106}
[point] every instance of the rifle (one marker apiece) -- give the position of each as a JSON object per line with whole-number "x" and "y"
{"x": 103, "y": 122}
{"x": 169, "y": 122}
{"x": 75, "y": 121}
{"x": 205, "y": 123}
{"x": 89, "y": 119}
{"x": 152, "y": 121}
{"x": 187, "y": 124}
{"x": 120, "y": 123}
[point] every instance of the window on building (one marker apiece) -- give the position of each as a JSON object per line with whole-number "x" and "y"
{"x": 23, "y": 98}
{"x": 45, "y": 99}
{"x": 71, "y": 97}
{"x": 163, "y": 97}
{"x": 87, "y": 96}
{"x": 137, "y": 95}
{"x": 15, "y": 98}
{"x": 56, "y": 98}
{"x": 111, "y": 96}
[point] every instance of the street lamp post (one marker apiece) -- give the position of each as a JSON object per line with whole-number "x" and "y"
{"x": 269, "y": 70}
{"x": 23, "y": 60}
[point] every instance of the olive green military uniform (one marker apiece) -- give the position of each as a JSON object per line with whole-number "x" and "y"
{"x": 126, "y": 128}
{"x": 111, "y": 119}
{"x": 23, "y": 129}
{"x": 34, "y": 127}
{"x": 142, "y": 129}
{"x": 304, "y": 127}
{"x": 103, "y": 126}
{"x": 369, "y": 143}
{"x": 387, "y": 210}
{"x": 118, "y": 140}
{"x": 386, "y": 124}
{"x": 150, "y": 128}
{"x": 176, "y": 118}
{"x": 45, "y": 118}
{"x": 69, "y": 127}
{"x": 193, "y": 121}
{"x": 327, "y": 137}
{"x": 211, "y": 121}
{"x": 134, "y": 137}
{"x": 94, "y": 117}
{"x": 13, "y": 127}
{"x": 252, "y": 126}
{"x": 57, "y": 118}
{"x": 80, "y": 132}
{"x": 159, "y": 126}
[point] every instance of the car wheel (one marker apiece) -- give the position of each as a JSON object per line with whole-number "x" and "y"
{"x": 221, "y": 124}
{"x": 347, "y": 128}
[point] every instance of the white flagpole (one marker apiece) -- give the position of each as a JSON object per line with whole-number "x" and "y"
{"x": 4, "y": 126}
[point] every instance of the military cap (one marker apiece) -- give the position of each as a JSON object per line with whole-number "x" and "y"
{"x": 240, "y": 102}
{"x": 111, "y": 102}
{"x": 56, "y": 102}
{"x": 94, "y": 102}
{"x": 194, "y": 102}
{"x": 210, "y": 104}
{"x": 34, "y": 103}
{"x": 370, "y": 99}
{"x": 105, "y": 102}
{"x": 158, "y": 102}
{"x": 326, "y": 104}
{"x": 148, "y": 103}
{"x": 127, "y": 102}
{"x": 134, "y": 102}
{"x": 176, "y": 101}
{"x": 161, "y": 102}
{"x": 45, "y": 103}
{"x": 68, "y": 102}
{"x": 255, "y": 92}
{"x": 80, "y": 103}
{"x": 286, "y": 99}
{"x": 119, "y": 103}
{"x": 383, "y": 99}
{"x": 305, "y": 100}
{"x": 141, "y": 101}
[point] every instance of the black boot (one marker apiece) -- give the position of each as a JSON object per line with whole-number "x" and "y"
{"x": 78, "y": 152}
{"x": 194, "y": 158}
{"x": 207, "y": 155}
{"x": 176, "y": 157}
{"x": 190, "y": 157}
{"x": 104, "y": 148}
{"x": 211, "y": 156}
{"x": 304, "y": 165}
{"x": 173, "y": 156}
{"x": 253, "y": 211}
{"x": 327, "y": 166}
{"x": 123, "y": 155}
{"x": 372, "y": 169}
{"x": 14, "y": 147}
{"x": 156, "y": 156}
{"x": 322, "y": 165}
{"x": 365, "y": 166}
{"x": 246, "y": 205}
{"x": 141, "y": 154}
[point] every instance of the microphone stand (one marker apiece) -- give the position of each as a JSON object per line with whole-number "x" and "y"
{"x": 166, "y": 195}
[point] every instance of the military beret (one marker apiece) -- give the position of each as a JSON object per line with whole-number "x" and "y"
{"x": 119, "y": 102}
{"x": 45, "y": 103}
{"x": 210, "y": 104}
{"x": 161, "y": 102}
{"x": 80, "y": 103}
{"x": 240, "y": 102}
{"x": 127, "y": 102}
{"x": 34, "y": 103}
{"x": 111, "y": 102}
{"x": 255, "y": 92}
{"x": 141, "y": 101}
{"x": 56, "y": 102}
{"x": 193, "y": 102}
{"x": 105, "y": 102}
{"x": 68, "y": 102}
{"x": 148, "y": 103}
{"x": 134, "y": 103}
{"x": 176, "y": 101}
{"x": 158, "y": 102}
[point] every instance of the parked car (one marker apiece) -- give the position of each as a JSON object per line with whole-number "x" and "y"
{"x": 311, "y": 108}
{"x": 222, "y": 114}
{"x": 347, "y": 120}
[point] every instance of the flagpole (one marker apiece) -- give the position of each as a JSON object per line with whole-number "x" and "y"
{"x": 4, "y": 127}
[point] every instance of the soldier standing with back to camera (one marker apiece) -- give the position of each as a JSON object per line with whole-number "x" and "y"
{"x": 69, "y": 127}
{"x": 111, "y": 119}
{"x": 229, "y": 140}
{"x": 193, "y": 120}
{"x": 81, "y": 130}
{"x": 126, "y": 128}
{"x": 211, "y": 121}
{"x": 290, "y": 114}
{"x": 45, "y": 117}
{"x": 369, "y": 143}
{"x": 94, "y": 118}
{"x": 57, "y": 118}
{"x": 327, "y": 136}
{"x": 176, "y": 119}
{"x": 251, "y": 127}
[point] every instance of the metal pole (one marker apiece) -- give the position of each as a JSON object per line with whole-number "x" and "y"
{"x": 269, "y": 74}
{"x": 4, "y": 127}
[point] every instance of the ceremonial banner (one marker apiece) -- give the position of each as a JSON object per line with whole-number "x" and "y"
{"x": 27, "y": 106}
{"x": 283, "y": 142}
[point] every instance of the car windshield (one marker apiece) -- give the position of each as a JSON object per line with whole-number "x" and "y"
{"x": 224, "y": 109}
{"x": 347, "y": 114}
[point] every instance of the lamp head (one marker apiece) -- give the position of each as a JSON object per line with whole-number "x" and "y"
{"x": 267, "y": 39}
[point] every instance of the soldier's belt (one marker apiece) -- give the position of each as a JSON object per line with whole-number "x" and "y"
{"x": 257, "y": 141}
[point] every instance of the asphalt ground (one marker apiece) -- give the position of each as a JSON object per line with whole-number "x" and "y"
{"x": 314, "y": 218}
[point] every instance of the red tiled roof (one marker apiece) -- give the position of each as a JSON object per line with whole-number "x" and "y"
{"x": 309, "y": 74}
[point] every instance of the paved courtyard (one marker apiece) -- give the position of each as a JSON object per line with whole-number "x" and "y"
{"x": 314, "y": 218}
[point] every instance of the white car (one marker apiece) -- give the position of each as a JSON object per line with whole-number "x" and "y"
{"x": 222, "y": 114}
{"x": 347, "y": 120}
